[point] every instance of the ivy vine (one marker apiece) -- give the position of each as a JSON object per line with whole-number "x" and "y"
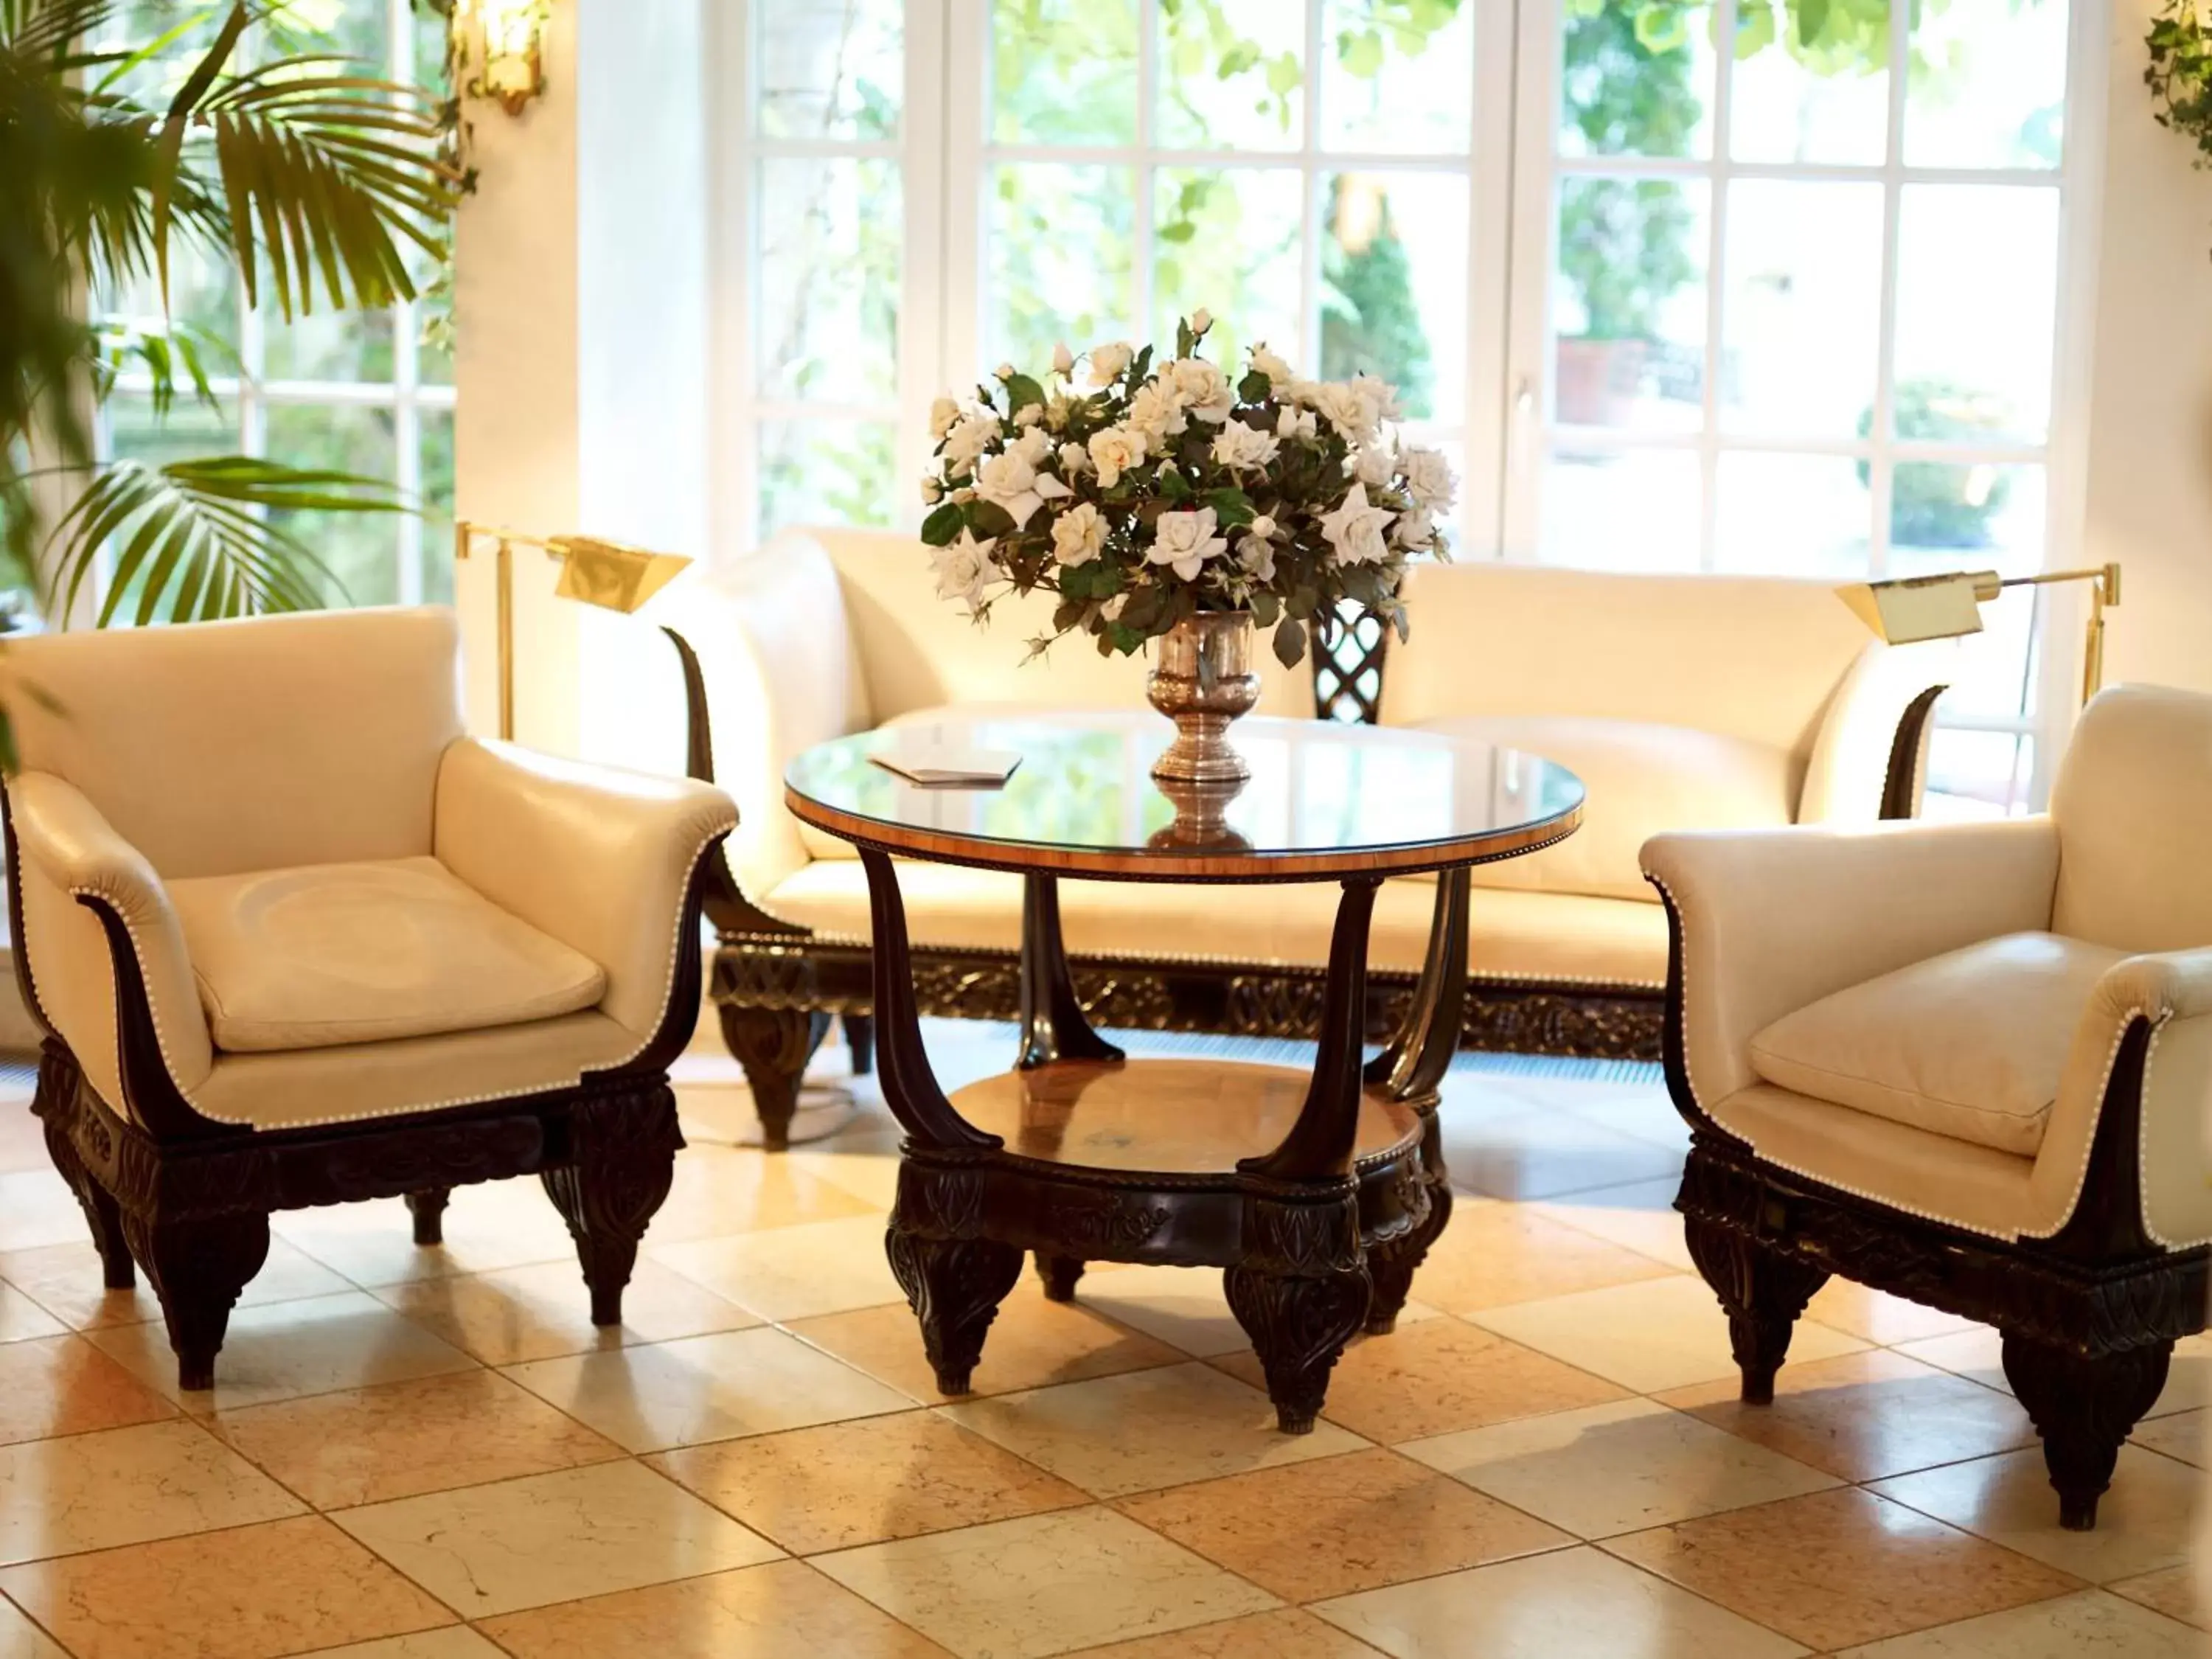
{"x": 2179, "y": 75}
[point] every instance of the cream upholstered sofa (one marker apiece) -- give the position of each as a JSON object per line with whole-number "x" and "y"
{"x": 1967, "y": 1064}
{"x": 294, "y": 937}
{"x": 1682, "y": 701}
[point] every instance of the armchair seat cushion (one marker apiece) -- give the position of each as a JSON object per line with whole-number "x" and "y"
{"x": 1969, "y": 1045}
{"x": 321, "y": 955}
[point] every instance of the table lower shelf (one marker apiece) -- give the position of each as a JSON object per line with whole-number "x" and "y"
{"x": 1162, "y": 1117}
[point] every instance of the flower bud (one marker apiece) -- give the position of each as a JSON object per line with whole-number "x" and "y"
{"x": 1063, "y": 359}
{"x": 1201, "y": 320}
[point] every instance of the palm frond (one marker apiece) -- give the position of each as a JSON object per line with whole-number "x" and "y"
{"x": 160, "y": 347}
{"x": 192, "y": 541}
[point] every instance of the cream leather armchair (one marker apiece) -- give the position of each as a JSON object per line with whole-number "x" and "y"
{"x": 295, "y": 939}
{"x": 1968, "y": 1065}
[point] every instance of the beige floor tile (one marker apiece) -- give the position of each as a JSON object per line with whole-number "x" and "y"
{"x": 249, "y": 1593}
{"x": 1033, "y": 1343}
{"x": 1114, "y": 1436}
{"x": 1291, "y": 1633}
{"x": 22, "y": 1319}
{"x": 1438, "y": 1376}
{"x": 1866, "y": 1416}
{"x": 2143, "y": 1522}
{"x": 37, "y": 1207}
{"x": 366, "y": 1445}
{"x": 1044, "y": 1584}
{"x": 1640, "y": 1216}
{"x": 792, "y": 1272}
{"x": 1545, "y": 1153}
{"x": 1495, "y": 1253}
{"x": 93, "y": 1492}
{"x": 454, "y": 1642}
{"x": 1665, "y": 1334}
{"x": 486, "y": 1549}
{"x": 707, "y": 1388}
{"x": 847, "y": 1484}
{"x": 2172, "y": 1591}
{"x": 22, "y": 1638}
{"x": 489, "y": 1225}
{"x": 288, "y": 1349}
{"x": 1642, "y": 1114}
{"x": 721, "y": 1190}
{"x": 1549, "y": 1606}
{"x": 544, "y": 1310}
{"x": 1840, "y": 1567}
{"x": 1182, "y": 1307}
{"x": 1978, "y": 1353}
{"x": 1878, "y": 1316}
{"x": 2089, "y": 1626}
{"x": 863, "y": 1160}
{"x": 777, "y": 1611}
{"x": 2180, "y": 1435}
{"x": 1615, "y": 1469}
{"x": 60, "y": 1385}
{"x": 65, "y": 1280}
{"x": 1340, "y": 1524}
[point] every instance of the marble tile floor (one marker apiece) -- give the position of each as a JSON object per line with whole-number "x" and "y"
{"x": 431, "y": 1455}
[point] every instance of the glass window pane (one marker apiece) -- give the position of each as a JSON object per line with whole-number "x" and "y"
{"x": 327, "y": 345}
{"x": 437, "y": 496}
{"x": 1802, "y": 320}
{"x": 1232, "y": 75}
{"x": 1978, "y": 774}
{"x": 1394, "y": 260}
{"x": 191, "y": 429}
{"x": 1408, "y": 90}
{"x": 1628, "y": 304}
{"x": 1634, "y": 509}
{"x": 201, "y": 293}
{"x": 1988, "y": 85}
{"x": 826, "y": 320}
{"x": 1977, "y": 268}
{"x": 1060, "y": 244}
{"x": 1792, "y": 515}
{"x": 1064, "y": 71}
{"x": 1829, "y": 103}
{"x": 361, "y": 548}
{"x": 830, "y": 71}
{"x": 1634, "y": 80}
{"x": 349, "y": 29}
{"x": 1227, "y": 238}
{"x": 827, "y": 472}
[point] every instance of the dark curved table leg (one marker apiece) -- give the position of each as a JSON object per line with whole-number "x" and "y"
{"x": 1052, "y": 1024}
{"x": 1411, "y": 1068}
{"x": 910, "y": 1088}
{"x": 1059, "y": 1274}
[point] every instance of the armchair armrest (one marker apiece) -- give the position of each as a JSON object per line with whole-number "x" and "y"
{"x": 68, "y": 855}
{"x": 1767, "y": 920}
{"x": 600, "y": 858}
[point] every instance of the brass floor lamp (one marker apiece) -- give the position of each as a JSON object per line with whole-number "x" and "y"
{"x": 1910, "y": 608}
{"x": 605, "y": 574}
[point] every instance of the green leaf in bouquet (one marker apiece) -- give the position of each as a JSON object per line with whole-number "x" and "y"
{"x": 1301, "y": 602}
{"x": 942, "y": 525}
{"x": 1290, "y": 643}
{"x": 1022, "y": 391}
{"x": 1266, "y": 608}
{"x": 1254, "y": 387}
{"x": 1125, "y": 639}
{"x": 1231, "y": 507}
{"x": 1067, "y": 612}
{"x": 1173, "y": 485}
{"x": 1145, "y": 607}
{"x": 1141, "y": 366}
{"x": 1184, "y": 341}
{"x": 989, "y": 520}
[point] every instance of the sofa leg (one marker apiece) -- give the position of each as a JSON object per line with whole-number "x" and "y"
{"x": 860, "y": 1038}
{"x": 622, "y": 1163}
{"x": 774, "y": 1045}
{"x": 100, "y": 1213}
{"x": 954, "y": 1286}
{"x": 429, "y": 1209}
{"x": 2084, "y": 1406}
{"x": 198, "y": 1267}
{"x": 1059, "y": 1274}
{"x": 1761, "y": 1290}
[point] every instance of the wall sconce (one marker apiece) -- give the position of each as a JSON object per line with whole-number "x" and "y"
{"x": 500, "y": 49}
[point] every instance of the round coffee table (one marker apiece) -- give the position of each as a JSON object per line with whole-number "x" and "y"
{"x": 1317, "y": 1194}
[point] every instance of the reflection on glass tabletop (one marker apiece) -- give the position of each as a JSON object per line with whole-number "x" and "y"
{"x": 1324, "y": 800}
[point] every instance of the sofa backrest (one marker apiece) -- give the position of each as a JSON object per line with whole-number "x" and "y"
{"x": 2133, "y": 803}
{"x": 915, "y": 651}
{"x": 1757, "y": 658}
{"x": 215, "y": 747}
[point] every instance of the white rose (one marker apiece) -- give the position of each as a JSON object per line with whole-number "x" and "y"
{"x": 1429, "y": 478}
{"x": 1107, "y": 361}
{"x": 1295, "y": 424}
{"x": 969, "y": 439}
{"x": 1201, "y": 320}
{"x": 1115, "y": 451}
{"x": 1003, "y": 372}
{"x": 932, "y": 490}
{"x": 1343, "y": 406}
{"x": 1378, "y": 394}
{"x": 1078, "y": 535}
{"x": 1241, "y": 447}
{"x": 1256, "y": 554}
{"x": 1074, "y": 459}
{"x": 1032, "y": 446}
{"x": 1186, "y": 541}
{"x": 1063, "y": 359}
{"x": 1201, "y": 388}
{"x": 1373, "y": 466}
{"x": 1263, "y": 525}
{"x": 1279, "y": 372}
{"x": 1156, "y": 412}
{"x": 1013, "y": 481}
{"x": 1416, "y": 530}
{"x": 964, "y": 569}
{"x": 1354, "y": 531}
{"x": 942, "y": 414}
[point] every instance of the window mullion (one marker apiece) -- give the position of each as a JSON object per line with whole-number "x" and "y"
{"x": 1148, "y": 77}
{"x": 406, "y": 367}
{"x": 1717, "y": 209}
{"x": 1881, "y": 470}
{"x": 1311, "y": 228}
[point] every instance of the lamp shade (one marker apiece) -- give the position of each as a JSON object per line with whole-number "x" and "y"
{"x": 610, "y": 575}
{"x": 1915, "y": 608}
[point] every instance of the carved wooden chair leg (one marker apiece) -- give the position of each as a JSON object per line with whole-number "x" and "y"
{"x": 429, "y": 1209}
{"x": 1059, "y": 1274}
{"x": 198, "y": 1267}
{"x": 774, "y": 1045}
{"x": 2084, "y": 1406}
{"x": 1299, "y": 1324}
{"x": 860, "y": 1038}
{"x": 624, "y": 1164}
{"x": 954, "y": 1286}
{"x": 1762, "y": 1291}
{"x": 101, "y": 1212}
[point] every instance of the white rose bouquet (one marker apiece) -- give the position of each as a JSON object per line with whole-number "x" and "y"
{"x": 1148, "y": 494}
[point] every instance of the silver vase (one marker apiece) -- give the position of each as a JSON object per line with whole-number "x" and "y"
{"x": 1203, "y": 680}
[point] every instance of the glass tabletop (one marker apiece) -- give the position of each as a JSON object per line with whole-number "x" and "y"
{"x": 1325, "y": 800}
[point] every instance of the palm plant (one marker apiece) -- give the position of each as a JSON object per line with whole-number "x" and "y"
{"x": 312, "y": 181}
